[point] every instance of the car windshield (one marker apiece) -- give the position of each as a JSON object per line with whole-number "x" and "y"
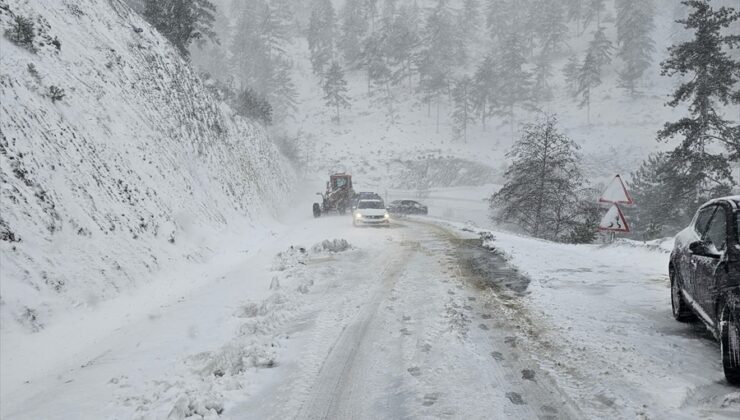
{"x": 370, "y": 204}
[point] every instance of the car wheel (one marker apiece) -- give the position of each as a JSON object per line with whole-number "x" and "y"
{"x": 316, "y": 210}
{"x": 729, "y": 343}
{"x": 681, "y": 310}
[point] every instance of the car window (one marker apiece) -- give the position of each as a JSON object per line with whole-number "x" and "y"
{"x": 717, "y": 232}
{"x": 702, "y": 220}
{"x": 368, "y": 204}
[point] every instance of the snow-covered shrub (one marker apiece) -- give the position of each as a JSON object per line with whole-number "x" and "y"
{"x": 33, "y": 71}
{"x": 22, "y": 33}
{"x": 333, "y": 245}
{"x": 55, "y": 93}
{"x": 250, "y": 104}
{"x": 289, "y": 258}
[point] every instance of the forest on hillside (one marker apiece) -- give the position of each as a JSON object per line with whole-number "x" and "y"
{"x": 473, "y": 62}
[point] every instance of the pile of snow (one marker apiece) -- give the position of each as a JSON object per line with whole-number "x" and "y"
{"x": 289, "y": 258}
{"x": 136, "y": 169}
{"x": 331, "y": 246}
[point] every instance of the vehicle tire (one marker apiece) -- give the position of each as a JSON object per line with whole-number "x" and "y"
{"x": 729, "y": 343}
{"x": 680, "y": 308}
{"x": 316, "y": 210}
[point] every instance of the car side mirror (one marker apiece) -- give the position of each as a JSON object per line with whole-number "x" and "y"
{"x": 701, "y": 249}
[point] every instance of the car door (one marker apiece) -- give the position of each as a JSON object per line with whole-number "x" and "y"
{"x": 706, "y": 276}
{"x": 686, "y": 262}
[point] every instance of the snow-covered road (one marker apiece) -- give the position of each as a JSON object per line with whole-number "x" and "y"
{"x": 405, "y": 335}
{"x": 413, "y": 321}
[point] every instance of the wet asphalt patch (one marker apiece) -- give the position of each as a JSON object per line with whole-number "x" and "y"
{"x": 490, "y": 267}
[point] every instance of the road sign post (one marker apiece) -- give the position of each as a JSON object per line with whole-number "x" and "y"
{"x": 616, "y": 193}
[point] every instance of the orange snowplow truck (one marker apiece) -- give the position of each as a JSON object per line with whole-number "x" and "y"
{"x": 338, "y": 196}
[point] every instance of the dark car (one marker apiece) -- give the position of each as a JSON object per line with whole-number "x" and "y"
{"x": 705, "y": 276}
{"x": 365, "y": 195}
{"x": 407, "y": 207}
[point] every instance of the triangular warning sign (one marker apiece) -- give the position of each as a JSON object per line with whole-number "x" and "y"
{"x": 616, "y": 192}
{"x": 614, "y": 221}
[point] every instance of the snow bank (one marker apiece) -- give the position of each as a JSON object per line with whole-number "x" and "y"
{"x": 135, "y": 169}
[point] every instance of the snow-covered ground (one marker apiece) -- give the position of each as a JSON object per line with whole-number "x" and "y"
{"x": 158, "y": 272}
{"x": 418, "y": 320}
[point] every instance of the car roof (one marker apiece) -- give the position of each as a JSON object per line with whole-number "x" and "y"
{"x": 734, "y": 201}
{"x": 372, "y": 200}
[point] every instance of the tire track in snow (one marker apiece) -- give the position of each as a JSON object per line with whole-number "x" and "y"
{"x": 334, "y": 393}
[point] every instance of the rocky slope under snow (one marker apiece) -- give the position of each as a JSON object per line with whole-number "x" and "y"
{"x": 136, "y": 168}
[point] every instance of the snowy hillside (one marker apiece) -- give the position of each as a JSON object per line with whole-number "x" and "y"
{"x": 131, "y": 168}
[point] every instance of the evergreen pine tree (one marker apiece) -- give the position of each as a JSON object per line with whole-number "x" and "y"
{"x": 259, "y": 59}
{"x": 593, "y": 10}
{"x": 709, "y": 77}
{"x": 253, "y": 105}
{"x": 549, "y": 24}
{"x": 353, "y": 28}
{"x": 634, "y": 37}
{"x": 575, "y": 12}
{"x": 440, "y": 52}
{"x": 589, "y": 77}
{"x": 571, "y": 71}
{"x": 484, "y": 92}
{"x": 321, "y": 35}
{"x": 462, "y": 115}
{"x": 402, "y": 42}
{"x": 285, "y": 17}
{"x": 541, "y": 91}
{"x": 541, "y": 189}
{"x": 335, "y": 89}
{"x": 506, "y": 17}
{"x": 601, "y": 48}
{"x": 514, "y": 81}
{"x": 282, "y": 93}
{"x": 666, "y": 189}
{"x": 470, "y": 22}
{"x": 249, "y": 55}
{"x": 182, "y": 21}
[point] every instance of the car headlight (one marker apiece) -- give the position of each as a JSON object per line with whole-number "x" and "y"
{"x": 358, "y": 216}
{"x": 386, "y": 215}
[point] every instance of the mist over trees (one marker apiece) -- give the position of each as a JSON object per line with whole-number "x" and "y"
{"x": 473, "y": 65}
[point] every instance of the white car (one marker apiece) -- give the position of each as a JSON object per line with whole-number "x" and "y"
{"x": 370, "y": 212}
